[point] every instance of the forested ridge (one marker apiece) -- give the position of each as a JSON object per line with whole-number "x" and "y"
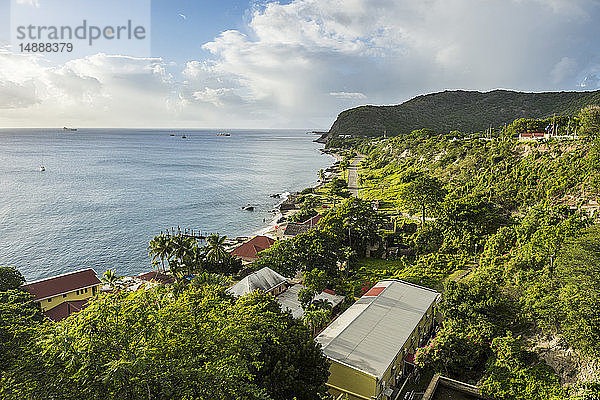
{"x": 465, "y": 111}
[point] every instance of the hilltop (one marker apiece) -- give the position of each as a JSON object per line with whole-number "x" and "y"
{"x": 465, "y": 111}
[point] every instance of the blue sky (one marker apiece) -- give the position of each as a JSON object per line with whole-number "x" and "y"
{"x": 179, "y": 39}
{"x": 296, "y": 63}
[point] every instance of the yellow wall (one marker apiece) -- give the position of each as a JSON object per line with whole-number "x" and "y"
{"x": 346, "y": 380}
{"x": 57, "y": 300}
{"x": 410, "y": 346}
{"x": 351, "y": 381}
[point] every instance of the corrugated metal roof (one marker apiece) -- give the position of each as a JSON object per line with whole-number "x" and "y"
{"x": 264, "y": 279}
{"x": 293, "y": 229}
{"x": 289, "y": 300}
{"x": 369, "y": 334}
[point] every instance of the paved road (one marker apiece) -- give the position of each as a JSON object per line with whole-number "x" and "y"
{"x": 353, "y": 175}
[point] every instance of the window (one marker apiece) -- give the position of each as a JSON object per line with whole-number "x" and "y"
{"x": 49, "y": 300}
{"x": 86, "y": 290}
{"x": 64, "y": 295}
{"x": 77, "y": 292}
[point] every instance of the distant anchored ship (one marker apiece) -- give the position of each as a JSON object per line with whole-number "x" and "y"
{"x": 69, "y": 129}
{"x": 223, "y": 134}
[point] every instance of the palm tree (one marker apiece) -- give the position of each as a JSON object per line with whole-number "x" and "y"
{"x": 110, "y": 278}
{"x": 215, "y": 246}
{"x": 183, "y": 254}
{"x": 316, "y": 318}
{"x": 197, "y": 257}
{"x": 160, "y": 249}
{"x": 310, "y": 319}
{"x": 322, "y": 304}
{"x": 207, "y": 278}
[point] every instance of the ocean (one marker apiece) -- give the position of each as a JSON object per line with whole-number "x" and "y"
{"x": 106, "y": 192}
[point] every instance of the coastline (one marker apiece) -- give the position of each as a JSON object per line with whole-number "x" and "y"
{"x": 274, "y": 228}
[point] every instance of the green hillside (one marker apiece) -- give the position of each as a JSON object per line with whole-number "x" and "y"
{"x": 465, "y": 111}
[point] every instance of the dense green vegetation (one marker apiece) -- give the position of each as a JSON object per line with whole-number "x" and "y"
{"x": 184, "y": 257}
{"x": 504, "y": 228}
{"x": 508, "y": 243}
{"x": 465, "y": 111}
{"x": 164, "y": 343}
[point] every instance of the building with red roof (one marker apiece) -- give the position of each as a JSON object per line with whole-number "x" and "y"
{"x": 72, "y": 289}
{"x": 528, "y": 136}
{"x": 158, "y": 277}
{"x": 65, "y": 309}
{"x": 248, "y": 251}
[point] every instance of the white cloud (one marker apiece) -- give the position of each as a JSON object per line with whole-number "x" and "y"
{"x": 590, "y": 82}
{"x": 32, "y": 3}
{"x": 17, "y": 95}
{"x": 347, "y": 95}
{"x": 301, "y": 63}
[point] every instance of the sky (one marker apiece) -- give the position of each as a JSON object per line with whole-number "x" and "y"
{"x": 292, "y": 64}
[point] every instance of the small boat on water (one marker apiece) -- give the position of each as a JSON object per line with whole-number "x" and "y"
{"x": 42, "y": 168}
{"x": 223, "y": 134}
{"x": 69, "y": 129}
{"x": 248, "y": 208}
{"x": 172, "y": 134}
{"x": 183, "y": 137}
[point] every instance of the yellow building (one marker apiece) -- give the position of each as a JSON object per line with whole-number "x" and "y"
{"x": 60, "y": 296}
{"x": 371, "y": 345}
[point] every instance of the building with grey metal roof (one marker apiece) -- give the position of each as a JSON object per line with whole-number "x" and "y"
{"x": 293, "y": 229}
{"x": 368, "y": 343}
{"x": 289, "y": 300}
{"x": 264, "y": 279}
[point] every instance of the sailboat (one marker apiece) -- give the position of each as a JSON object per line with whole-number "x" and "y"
{"x": 42, "y": 168}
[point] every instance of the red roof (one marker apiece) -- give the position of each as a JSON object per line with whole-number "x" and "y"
{"x": 374, "y": 291}
{"x": 314, "y": 220}
{"x": 251, "y": 248}
{"x": 535, "y": 134}
{"x": 155, "y": 276}
{"x": 60, "y": 284}
{"x": 65, "y": 309}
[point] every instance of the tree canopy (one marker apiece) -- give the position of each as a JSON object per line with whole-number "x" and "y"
{"x": 196, "y": 344}
{"x": 10, "y": 278}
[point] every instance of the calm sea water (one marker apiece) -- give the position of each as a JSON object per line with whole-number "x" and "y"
{"x": 106, "y": 193}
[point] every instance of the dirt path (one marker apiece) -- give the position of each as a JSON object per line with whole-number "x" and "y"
{"x": 353, "y": 175}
